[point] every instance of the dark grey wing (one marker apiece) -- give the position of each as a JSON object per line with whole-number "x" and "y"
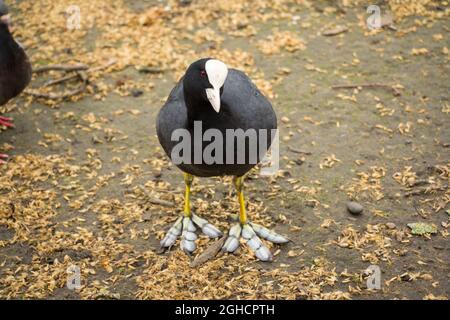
{"x": 172, "y": 116}
{"x": 245, "y": 102}
{"x": 15, "y": 67}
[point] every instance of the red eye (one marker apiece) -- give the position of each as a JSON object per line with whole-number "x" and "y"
{"x": 202, "y": 73}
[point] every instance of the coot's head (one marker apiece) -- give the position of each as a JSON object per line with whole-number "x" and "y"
{"x": 204, "y": 80}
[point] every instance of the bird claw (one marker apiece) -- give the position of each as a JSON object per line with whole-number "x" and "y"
{"x": 3, "y": 156}
{"x": 6, "y": 122}
{"x": 188, "y": 236}
{"x": 207, "y": 228}
{"x": 186, "y": 227}
{"x": 250, "y": 232}
{"x": 173, "y": 233}
{"x": 268, "y": 234}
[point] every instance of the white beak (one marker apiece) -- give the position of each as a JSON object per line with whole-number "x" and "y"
{"x": 217, "y": 72}
{"x": 213, "y": 95}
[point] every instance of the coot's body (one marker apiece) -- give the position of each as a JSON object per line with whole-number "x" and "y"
{"x": 220, "y": 107}
{"x": 15, "y": 68}
{"x": 242, "y": 107}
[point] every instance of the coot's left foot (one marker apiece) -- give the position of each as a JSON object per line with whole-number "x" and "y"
{"x": 187, "y": 224}
{"x": 3, "y": 156}
{"x": 6, "y": 121}
{"x": 250, "y": 231}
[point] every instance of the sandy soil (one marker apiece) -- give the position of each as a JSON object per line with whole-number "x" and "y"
{"x": 367, "y": 145}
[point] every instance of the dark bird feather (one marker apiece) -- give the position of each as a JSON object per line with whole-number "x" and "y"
{"x": 243, "y": 106}
{"x": 15, "y": 67}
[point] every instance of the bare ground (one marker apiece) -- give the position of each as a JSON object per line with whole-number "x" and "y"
{"x": 373, "y": 146}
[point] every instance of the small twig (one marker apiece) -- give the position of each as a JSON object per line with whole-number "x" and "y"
{"x": 420, "y": 182}
{"x": 368, "y": 85}
{"x": 150, "y": 70}
{"x": 80, "y": 74}
{"x": 105, "y": 66}
{"x": 161, "y": 202}
{"x": 209, "y": 253}
{"x": 53, "y": 96}
{"x": 299, "y": 151}
{"x": 335, "y": 31}
{"x": 154, "y": 200}
{"x": 61, "y": 67}
{"x": 425, "y": 190}
{"x": 63, "y": 79}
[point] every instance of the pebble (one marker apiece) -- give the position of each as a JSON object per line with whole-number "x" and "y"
{"x": 354, "y": 207}
{"x": 137, "y": 92}
{"x": 391, "y": 225}
{"x": 285, "y": 119}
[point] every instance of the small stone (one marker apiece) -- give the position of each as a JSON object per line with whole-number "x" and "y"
{"x": 411, "y": 181}
{"x": 391, "y": 225}
{"x": 354, "y": 207}
{"x": 185, "y": 2}
{"x": 147, "y": 216}
{"x": 96, "y": 139}
{"x": 285, "y": 119}
{"x": 406, "y": 277}
{"x": 157, "y": 173}
{"x": 242, "y": 25}
{"x": 137, "y": 92}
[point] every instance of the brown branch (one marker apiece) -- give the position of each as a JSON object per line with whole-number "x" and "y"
{"x": 154, "y": 200}
{"x": 53, "y": 96}
{"x": 105, "y": 66}
{"x": 425, "y": 190}
{"x": 150, "y": 70}
{"x": 60, "y": 80}
{"x": 299, "y": 151}
{"x": 79, "y": 74}
{"x": 334, "y": 31}
{"x": 209, "y": 253}
{"x": 161, "y": 202}
{"x": 61, "y": 67}
{"x": 368, "y": 85}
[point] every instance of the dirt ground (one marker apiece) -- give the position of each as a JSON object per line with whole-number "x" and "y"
{"x": 86, "y": 173}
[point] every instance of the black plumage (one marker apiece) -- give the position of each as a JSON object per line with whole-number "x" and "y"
{"x": 15, "y": 67}
{"x": 243, "y": 106}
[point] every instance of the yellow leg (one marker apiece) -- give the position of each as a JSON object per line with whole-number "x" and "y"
{"x": 188, "y": 178}
{"x": 239, "y": 184}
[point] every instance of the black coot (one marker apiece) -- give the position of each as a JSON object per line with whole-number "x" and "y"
{"x": 15, "y": 67}
{"x": 215, "y": 105}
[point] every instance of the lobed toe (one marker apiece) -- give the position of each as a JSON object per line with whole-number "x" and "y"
{"x": 172, "y": 235}
{"x": 269, "y": 235}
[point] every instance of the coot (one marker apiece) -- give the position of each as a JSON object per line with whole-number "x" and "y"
{"x": 216, "y": 122}
{"x": 15, "y": 67}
